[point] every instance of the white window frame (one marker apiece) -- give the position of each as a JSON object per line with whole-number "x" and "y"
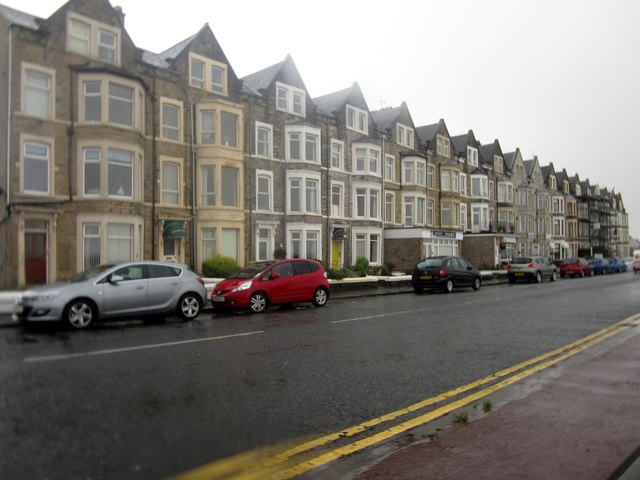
{"x": 47, "y": 160}
{"x": 303, "y": 133}
{"x": 483, "y": 217}
{"x": 337, "y": 155}
{"x": 303, "y": 178}
{"x": 167, "y": 162}
{"x": 174, "y": 130}
{"x": 365, "y": 237}
{"x": 389, "y": 207}
{"x": 268, "y": 241}
{"x": 32, "y": 91}
{"x": 207, "y": 81}
{"x": 370, "y": 196}
{"x": 368, "y": 160}
{"x": 357, "y": 119}
{"x": 291, "y": 99}
{"x": 483, "y": 186}
{"x": 443, "y": 146}
{"x": 472, "y": 156}
{"x": 390, "y": 168}
{"x": 94, "y": 44}
{"x": 106, "y": 100}
{"x": 505, "y": 192}
{"x": 404, "y": 135}
{"x": 261, "y": 196}
{"x": 337, "y": 192}
{"x": 264, "y": 149}
{"x": 303, "y": 233}
{"x": 103, "y": 222}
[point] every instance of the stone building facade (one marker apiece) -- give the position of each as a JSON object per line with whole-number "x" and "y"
{"x": 111, "y": 152}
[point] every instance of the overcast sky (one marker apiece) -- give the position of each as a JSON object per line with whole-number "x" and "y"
{"x": 559, "y": 79}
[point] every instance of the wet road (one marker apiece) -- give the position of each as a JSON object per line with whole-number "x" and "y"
{"x": 128, "y": 400}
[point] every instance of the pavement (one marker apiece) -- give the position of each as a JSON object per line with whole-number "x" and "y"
{"x": 579, "y": 420}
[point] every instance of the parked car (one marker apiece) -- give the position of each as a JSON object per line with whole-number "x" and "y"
{"x": 130, "y": 289}
{"x": 617, "y": 265}
{"x": 575, "y": 267}
{"x": 628, "y": 261}
{"x": 445, "y": 273}
{"x": 273, "y": 282}
{"x": 600, "y": 266}
{"x": 531, "y": 269}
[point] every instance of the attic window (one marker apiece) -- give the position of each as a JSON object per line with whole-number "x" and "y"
{"x": 87, "y": 37}
{"x": 357, "y": 120}
{"x": 404, "y": 136}
{"x": 207, "y": 74}
{"x": 290, "y": 99}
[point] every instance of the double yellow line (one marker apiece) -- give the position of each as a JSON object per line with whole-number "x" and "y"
{"x": 282, "y": 462}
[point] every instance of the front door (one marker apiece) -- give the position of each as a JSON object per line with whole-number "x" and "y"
{"x": 35, "y": 257}
{"x": 336, "y": 254}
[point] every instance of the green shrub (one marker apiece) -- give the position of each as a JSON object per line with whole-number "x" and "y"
{"x": 362, "y": 265}
{"x": 384, "y": 271}
{"x": 219, "y": 267}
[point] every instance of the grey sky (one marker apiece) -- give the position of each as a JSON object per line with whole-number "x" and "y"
{"x": 557, "y": 78}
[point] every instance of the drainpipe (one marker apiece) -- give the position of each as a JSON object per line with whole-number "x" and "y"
{"x": 193, "y": 189}
{"x": 70, "y": 133}
{"x": 154, "y": 171}
{"x": 7, "y": 192}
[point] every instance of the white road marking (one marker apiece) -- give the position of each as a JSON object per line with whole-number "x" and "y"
{"x": 356, "y": 319}
{"x": 50, "y": 358}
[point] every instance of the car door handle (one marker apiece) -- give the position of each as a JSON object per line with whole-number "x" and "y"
{"x": 139, "y": 287}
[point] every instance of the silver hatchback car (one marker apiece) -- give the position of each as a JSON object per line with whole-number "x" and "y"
{"x": 131, "y": 289}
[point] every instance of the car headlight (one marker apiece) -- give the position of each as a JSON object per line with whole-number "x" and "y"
{"x": 45, "y": 297}
{"x": 243, "y": 286}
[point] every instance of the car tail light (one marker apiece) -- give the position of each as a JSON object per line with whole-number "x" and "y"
{"x": 531, "y": 265}
{"x": 442, "y": 272}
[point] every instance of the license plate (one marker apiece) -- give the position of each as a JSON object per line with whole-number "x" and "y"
{"x": 217, "y": 299}
{"x": 519, "y": 274}
{"x": 426, "y": 277}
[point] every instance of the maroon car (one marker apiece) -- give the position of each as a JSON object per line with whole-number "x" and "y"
{"x": 576, "y": 267}
{"x": 273, "y": 282}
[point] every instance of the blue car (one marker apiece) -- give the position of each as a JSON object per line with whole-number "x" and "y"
{"x": 601, "y": 266}
{"x": 617, "y": 265}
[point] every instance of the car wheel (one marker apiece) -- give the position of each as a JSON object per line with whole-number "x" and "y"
{"x": 448, "y": 286}
{"x": 189, "y": 306}
{"x": 538, "y": 277}
{"x": 476, "y": 283}
{"x": 553, "y": 276}
{"x": 320, "y": 297}
{"x": 258, "y": 302}
{"x": 80, "y": 314}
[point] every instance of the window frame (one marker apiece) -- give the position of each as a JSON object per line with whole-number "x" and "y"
{"x": 404, "y": 135}
{"x": 303, "y": 177}
{"x": 339, "y": 155}
{"x": 49, "y": 145}
{"x": 367, "y": 159}
{"x": 168, "y": 102}
{"x": 206, "y": 82}
{"x": 27, "y": 88}
{"x": 268, "y": 129}
{"x": 165, "y": 162}
{"x": 357, "y": 119}
{"x": 304, "y": 133}
{"x": 268, "y": 176}
{"x": 286, "y": 96}
{"x": 93, "y": 39}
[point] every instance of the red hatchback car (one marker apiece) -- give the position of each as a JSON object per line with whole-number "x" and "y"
{"x": 576, "y": 267}
{"x": 272, "y": 282}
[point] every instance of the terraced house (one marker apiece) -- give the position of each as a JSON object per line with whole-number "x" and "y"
{"x": 111, "y": 152}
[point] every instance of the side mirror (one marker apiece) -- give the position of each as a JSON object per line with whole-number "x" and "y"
{"x": 275, "y": 276}
{"x": 116, "y": 278}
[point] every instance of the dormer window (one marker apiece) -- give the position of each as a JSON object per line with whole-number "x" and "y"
{"x": 357, "y": 120}
{"x": 472, "y": 156}
{"x": 552, "y": 182}
{"x": 207, "y": 74}
{"x": 442, "y": 145}
{"x": 498, "y": 164}
{"x": 87, "y": 37}
{"x": 404, "y": 136}
{"x": 290, "y": 99}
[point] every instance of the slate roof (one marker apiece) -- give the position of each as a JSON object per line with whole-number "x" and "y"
{"x": 427, "y": 133}
{"x": 510, "y": 159}
{"x": 332, "y": 102}
{"x": 387, "y": 117}
{"x": 20, "y": 18}
{"x": 260, "y": 80}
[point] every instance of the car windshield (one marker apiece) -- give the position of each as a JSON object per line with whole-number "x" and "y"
{"x": 90, "y": 273}
{"x": 252, "y": 270}
{"x": 430, "y": 262}
{"x": 570, "y": 261}
{"x": 522, "y": 260}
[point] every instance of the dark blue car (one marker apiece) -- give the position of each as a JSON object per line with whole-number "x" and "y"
{"x": 601, "y": 266}
{"x": 617, "y": 265}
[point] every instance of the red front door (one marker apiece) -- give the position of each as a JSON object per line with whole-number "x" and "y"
{"x": 35, "y": 258}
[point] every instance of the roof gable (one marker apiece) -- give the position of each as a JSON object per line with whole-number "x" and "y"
{"x": 334, "y": 103}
